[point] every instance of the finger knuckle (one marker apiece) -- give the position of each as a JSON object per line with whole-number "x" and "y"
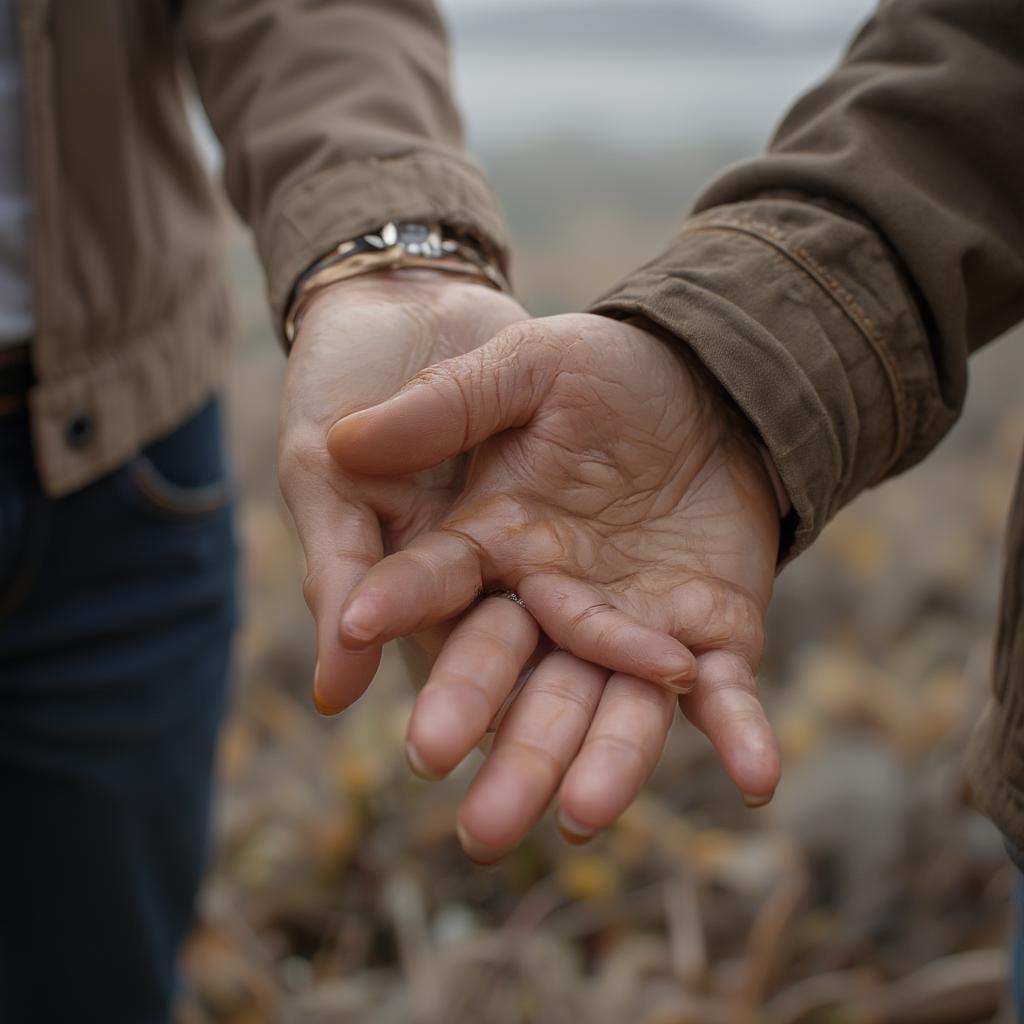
{"x": 582, "y": 621}
{"x": 622, "y": 749}
{"x": 489, "y": 647}
{"x": 564, "y": 695}
{"x": 298, "y": 458}
{"x": 656, "y": 702}
{"x": 468, "y": 687}
{"x": 311, "y": 588}
{"x": 541, "y": 760}
{"x": 725, "y": 670}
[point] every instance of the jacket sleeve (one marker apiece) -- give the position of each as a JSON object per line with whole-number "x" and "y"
{"x": 836, "y": 285}
{"x": 335, "y": 117}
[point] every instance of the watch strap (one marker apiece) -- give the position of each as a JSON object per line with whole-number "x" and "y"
{"x": 398, "y": 245}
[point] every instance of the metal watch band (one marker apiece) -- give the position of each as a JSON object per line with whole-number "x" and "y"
{"x": 397, "y": 245}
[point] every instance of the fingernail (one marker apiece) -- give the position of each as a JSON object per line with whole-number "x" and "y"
{"x": 355, "y": 627}
{"x": 318, "y": 702}
{"x": 753, "y": 801}
{"x": 480, "y": 854}
{"x": 327, "y": 710}
{"x": 572, "y": 831}
{"x": 679, "y": 672}
{"x": 418, "y": 766}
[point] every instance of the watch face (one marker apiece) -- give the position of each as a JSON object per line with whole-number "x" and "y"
{"x": 418, "y": 239}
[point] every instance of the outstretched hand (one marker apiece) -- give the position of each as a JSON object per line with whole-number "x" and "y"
{"x": 359, "y": 341}
{"x": 610, "y": 485}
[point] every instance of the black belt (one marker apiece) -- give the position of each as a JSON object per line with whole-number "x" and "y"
{"x": 15, "y": 377}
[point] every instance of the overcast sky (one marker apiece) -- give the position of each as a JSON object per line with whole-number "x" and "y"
{"x": 775, "y": 11}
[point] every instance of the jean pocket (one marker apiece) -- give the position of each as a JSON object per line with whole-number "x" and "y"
{"x": 184, "y": 476}
{"x": 162, "y": 496}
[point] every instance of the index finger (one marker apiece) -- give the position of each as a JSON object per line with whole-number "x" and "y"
{"x": 341, "y": 540}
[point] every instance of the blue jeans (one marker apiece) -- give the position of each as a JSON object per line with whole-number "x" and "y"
{"x": 117, "y": 605}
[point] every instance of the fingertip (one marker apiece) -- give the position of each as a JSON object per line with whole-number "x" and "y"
{"x": 588, "y": 802}
{"x": 435, "y": 735}
{"x": 678, "y": 671}
{"x": 344, "y": 436}
{"x": 753, "y": 762}
{"x": 322, "y": 706}
{"x": 571, "y": 830}
{"x": 479, "y": 853}
{"x": 419, "y": 767}
{"x": 342, "y": 677}
{"x": 360, "y": 625}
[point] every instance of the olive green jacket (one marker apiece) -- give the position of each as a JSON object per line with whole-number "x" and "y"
{"x": 837, "y": 285}
{"x": 335, "y": 117}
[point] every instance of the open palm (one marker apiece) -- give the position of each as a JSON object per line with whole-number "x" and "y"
{"x": 610, "y": 486}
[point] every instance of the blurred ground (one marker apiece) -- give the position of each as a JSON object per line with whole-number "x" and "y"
{"x": 867, "y": 892}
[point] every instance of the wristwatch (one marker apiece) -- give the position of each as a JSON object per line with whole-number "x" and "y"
{"x": 397, "y": 245}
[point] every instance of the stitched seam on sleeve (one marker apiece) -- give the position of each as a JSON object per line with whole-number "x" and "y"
{"x": 369, "y": 169}
{"x": 771, "y": 235}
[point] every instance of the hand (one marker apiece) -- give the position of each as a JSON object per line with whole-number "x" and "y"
{"x": 614, "y": 489}
{"x": 359, "y": 341}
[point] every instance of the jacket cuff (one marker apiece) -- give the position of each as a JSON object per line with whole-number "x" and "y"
{"x": 356, "y": 197}
{"x": 802, "y": 316}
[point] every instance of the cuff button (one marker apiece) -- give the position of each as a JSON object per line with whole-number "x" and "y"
{"x": 80, "y": 430}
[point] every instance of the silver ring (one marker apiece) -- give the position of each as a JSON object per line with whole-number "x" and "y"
{"x": 509, "y": 595}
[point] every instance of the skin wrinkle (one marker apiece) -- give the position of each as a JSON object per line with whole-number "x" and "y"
{"x": 612, "y": 501}
{"x": 583, "y": 616}
{"x": 438, "y": 567}
{"x": 469, "y": 684}
{"x": 619, "y": 745}
{"x": 736, "y": 677}
{"x": 639, "y": 692}
{"x": 631, "y": 555}
{"x": 537, "y": 754}
{"x": 563, "y": 695}
{"x": 498, "y": 640}
{"x": 497, "y": 561}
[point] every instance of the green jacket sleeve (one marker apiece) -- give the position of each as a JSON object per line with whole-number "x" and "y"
{"x": 335, "y": 117}
{"x": 836, "y": 285}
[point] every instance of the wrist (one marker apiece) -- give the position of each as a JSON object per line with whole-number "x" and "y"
{"x": 738, "y": 422}
{"x": 785, "y": 506}
{"x": 397, "y": 245}
{"x": 448, "y": 310}
{"x": 406, "y": 286}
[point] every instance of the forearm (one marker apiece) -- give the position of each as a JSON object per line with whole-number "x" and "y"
{"x": 335, "y": 118}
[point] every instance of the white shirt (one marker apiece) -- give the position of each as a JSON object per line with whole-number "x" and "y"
{"x": 17, "y": 314}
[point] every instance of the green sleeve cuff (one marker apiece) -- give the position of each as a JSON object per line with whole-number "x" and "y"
{"x": 802, "y": 316}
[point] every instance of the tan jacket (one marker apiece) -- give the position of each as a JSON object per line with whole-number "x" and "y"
{"x": 335, "y": 117}
{"x": 837, "y": 285}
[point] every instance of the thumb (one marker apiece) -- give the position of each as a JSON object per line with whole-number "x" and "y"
{"x": 450, "y": 407}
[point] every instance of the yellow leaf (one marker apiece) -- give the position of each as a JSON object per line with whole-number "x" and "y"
{"x": 587, "y": 878}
